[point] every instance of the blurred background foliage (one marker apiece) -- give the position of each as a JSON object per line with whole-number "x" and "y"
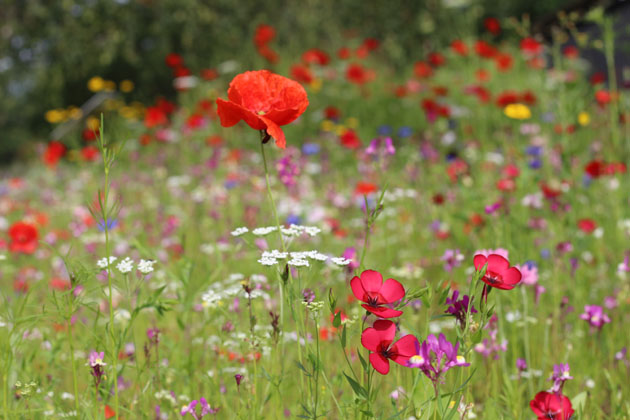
{"x": 49, "y": 50}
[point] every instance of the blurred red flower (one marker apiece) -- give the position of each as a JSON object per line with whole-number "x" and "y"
{"x": 54, "y": 152}
{"x": 23, "y": 238}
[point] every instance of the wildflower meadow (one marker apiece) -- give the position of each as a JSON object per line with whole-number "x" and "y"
{"x": 324, "y": 235}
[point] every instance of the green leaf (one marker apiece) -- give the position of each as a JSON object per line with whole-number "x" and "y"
{"x": 337, "y": 319}
{"x": 343, "y": 337}
{"x": 358, "y": 389}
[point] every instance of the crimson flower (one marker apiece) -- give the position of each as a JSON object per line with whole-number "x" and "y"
{"x": 264, "y": 34}
{"x": 548, "y": 406}
{"x": 369, "y": 288}
{"x": 54, "y": 152}
{"x": 23, "y": 238}
{"x": 498, "y": 274}
{"x": 315, "y": 56}
{"x": 378, "y": 339}
{"x": 265, "y": 101}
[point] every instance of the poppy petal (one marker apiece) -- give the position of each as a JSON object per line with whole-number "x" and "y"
{"x": 386, "y": 329}
{"x": 276, "y": 132}
{"x": 512, "y": 276}
{"x": 370, "y": 339}
{"x": 497, "y": 263}
{"x": 391, "y": 291}
{"x": 479, "y": 261}
{"x": 357, "y": 289}
{"x": 372, "y": 281}
{"x": 382, "y": 312}
{"x": 380, "y": 363}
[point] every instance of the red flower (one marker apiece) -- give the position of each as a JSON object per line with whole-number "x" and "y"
{"x": 264, "y": 34}
{"x": 459, "y": 47}
{"x": 365, "y": 188}
{"x": 54, "y": 152}
{"x": 595, "y": 168}
{"x": 109, "y": 413}
{"x": 571, "y": 52}
{"x": 356, "y": 73}
{"x": 369, "y": 288}
{"x": 531, "y": 47}
{"x": 174, "y": 60}
{"x": 436, "y": 59}
{"x": 268, "y": 54}
{"x": 89, "y": 153}
{"x": 301, "y": 73}
{"x": 597, "y": 78}
{"x": 154, "y": 116}
{"x": 507, "y": 97}
{"x": 315, "y": 56}
{"x": 485, "y": 50}
{"x": 602, "y": 97}
{"x": 587, "y": 225}
{"x": 506, "y": 184}
{"x": 498, "y": 274}
{"x": 492, "y": 25}
{"x": 371, "y": 44}
{"x": 422, "y": 70}
{"x": 265, "y": 101}
{"x": 378, "y": 339}
{"x": 350, "y": 140}
{"x": 332, "y": 113}
{"x": 503, "y": 61}
{"x": 209, "y": 74}
{"x": 343, "y": 53}
{"x": 548, "y": 406}
{"x": 23, "y": 238}
{"x": 60, "y": 284}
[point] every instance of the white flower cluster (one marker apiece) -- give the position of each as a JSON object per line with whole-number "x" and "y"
{"x": 146, "y": 266}
{"x": 233, "y": 287}
{"x": 102, "y": 263}
{"x": 298, "y": 259}
{"x": 126, "y": 266}
{"x": 292, "y": 230}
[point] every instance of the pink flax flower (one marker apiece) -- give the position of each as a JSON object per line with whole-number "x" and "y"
{"x": 379, "y": 338}
{"x": 369, "y": 288}
{"x": 498, "y": 274}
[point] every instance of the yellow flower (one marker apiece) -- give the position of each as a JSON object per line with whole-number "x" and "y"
{"x": 584, "y": 119}
{"x": 517, "y": 111}
{"x": 327, "y": 125}
{"x": 55, "y": 116}
{"x": 74, "y": 113}
{"x": 96, "y": 84}
{"x": 340, "y": 130}
{"x": 92, "y": 123}
{"x": 109, "y": 86}
{"x": 352, "y": 122}
{"x": 316, "y": 85}
{"x": 126, "y": 86}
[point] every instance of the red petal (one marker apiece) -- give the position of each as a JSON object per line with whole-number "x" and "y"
{"x": 386, "y": 329}
{"x": 497, "y": 263}
{"x": 391, "y": 291}
{"x": 404, "y": 348}
{"x": 372, "y": 281}
{"x": 370, "y": 339}
{"x": 357, "y": 289}
{"x": 479, "y": 261}
{"x": 276, "y": 132}
{"x": 380, "y": 363}
{"x": 382, "y": 312}
{"x": 512, "y": 276}
{"x": 231, "y": 113}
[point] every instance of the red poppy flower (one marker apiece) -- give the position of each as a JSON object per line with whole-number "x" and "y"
{"x": 595, "y": 168}
{"x": 548, "y": 406}
{"x": 422, "y": 70}
{"x": 587, "y": 225}
{"x": 602, "y": 97}
{"x": 264, "y": 34}
{"x": 154, "y": 116}
{"x": 365, "y": 188}
{"x": 23, "y": 238}
{"x": 571, "y": 52}
{"x": 343, "y": 53}
{"x": 209, "y": 74}
{"x": 597, "y": 78}
{"x": 174, "y": 60}
{"x": 89, "y": 135}
{"x": 109, "y": 413}
{"x": 485, "y": 50}
{"x": 482, "y": 75}
{"x": 528, "y": 98}
{"x": 371, "y": 44}
{"x": 459, "y": 47}
{"x": 492, "y": 25}
{"x": 268, "y": 54}
{"x": 378, "y": 339}
{"x": 506, "y": 98}
{"x": 89, "y": 153}
{"x": 506, "y": 184}
{"x": 369, "y": 288}
{"x": 60, "y": 284}
{"x": 498, "y": 274}
{"x": 54, "y": 152}
{"x": 265, "y": 101}
{"x": 315, "y": 56}
{"x": 530, "y": 47}
{"x": 332, "y": 113}
{"x": 301, "y": 73}
{"x": 350, "y": 140}
{"x": 356, "y": 73}
{"x": 503, "y": 61}
{"x": 511, "y": 171}
{"x": 436, "y": 59}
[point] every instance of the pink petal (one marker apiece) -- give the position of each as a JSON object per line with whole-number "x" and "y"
{"x": 372, "y": 281}
{"x": 391, "y": 291}
{"x": 382, "y": 312}
{"x": 404, "y": 348}
{"x": 380, "y": 363}
{"x": 479, "y": 261}
{"x": 497, "y": 263}
{"x": 370, "y": 339}
{"x": 512, "y": 276}
{"x": 357, "y": 289}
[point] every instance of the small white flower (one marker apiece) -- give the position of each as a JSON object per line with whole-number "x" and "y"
{"x": 298, "y": 262}
{"x": 210, "y": 298}
{"x": 340, "y": 261}
{"x": 102, "y": 263}
{"x": 67, "y": 396}
{"x": 125, "y": 266}
{"x": 262, "y": 231}
{"x": 268, "y": 261}
{"x": 239, "y": 231}
{"x": 146, "y": 266}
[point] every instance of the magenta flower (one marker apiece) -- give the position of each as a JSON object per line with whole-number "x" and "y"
{"x": 452, "y": 258}
{"x": 436, "y": 356}
{"x": 529, "y": 271}
{"x": 192, "y": 409}
{"x": 498, "y": 273}
{"x": 96, "y": 364}
{"x": 379, "y": 338}
{"x": 459, "y": 308}
{"x": 369, "y": 288}
{"x": 595, "y": 316}
{"x": 559, "y": 377}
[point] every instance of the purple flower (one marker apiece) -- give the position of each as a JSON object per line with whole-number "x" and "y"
{"x": 459, "y": 308}
{"x": 288, "y": 168}
{"x": 559, "y": 377}
{"x": 192, "y": 409}
{"x": 351, "y": 254}
{"x": 308, "y": 295}
{"x": 452, "y": 258}
{"x": 238, "y": 378}
{"x": 96, "y": 364}
{"x": 386, "y": 144}
{"x": 521, "y": 365}
{"x": 595, "y": 316}
{"x": 436, "y": 356}
{"x": 529, "y": 273}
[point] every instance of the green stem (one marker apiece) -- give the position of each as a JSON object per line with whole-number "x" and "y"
{"x": 74, "y": 367}
{"x": 609, "y": 47}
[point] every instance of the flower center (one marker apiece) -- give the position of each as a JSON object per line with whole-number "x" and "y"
{"x": 493, "y": 278}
